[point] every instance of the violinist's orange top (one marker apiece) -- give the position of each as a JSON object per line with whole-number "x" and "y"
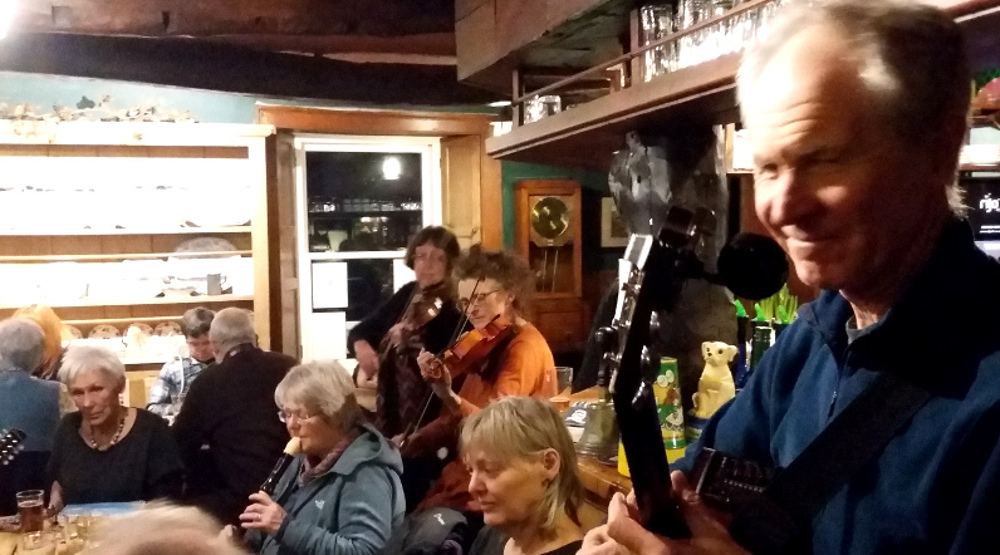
{"x": 526, "y": 368}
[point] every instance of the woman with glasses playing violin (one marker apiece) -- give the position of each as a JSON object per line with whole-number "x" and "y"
{"x": 494, "y": 292}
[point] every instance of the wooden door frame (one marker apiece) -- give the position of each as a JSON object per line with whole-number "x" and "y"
{"x": 344, "y": 121}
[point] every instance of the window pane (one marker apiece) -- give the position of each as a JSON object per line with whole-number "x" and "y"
{"x": 369, "y": 284}
{"x": 363, "y": 201}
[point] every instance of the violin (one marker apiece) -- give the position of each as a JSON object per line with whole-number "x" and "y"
{"x": 475, "y": 345}
{"x": 469, "y": 351}
{"x": 423, "y": 307}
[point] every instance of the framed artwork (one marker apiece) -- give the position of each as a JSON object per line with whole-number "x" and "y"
{"x": 614, "y": 233}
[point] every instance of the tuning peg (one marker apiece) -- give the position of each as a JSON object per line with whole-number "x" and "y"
{"x": 606, "y": 339}
{"x": 648, "y": 366}
{"x": 654, "y": 325}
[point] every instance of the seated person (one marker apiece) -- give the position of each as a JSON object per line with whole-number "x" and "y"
{"x": 55, "y": 333}
{"x": 228, "y": 432}
{"x": 167, "y": 394}
{"x": 28, "y": 404}
{"x": 523, "y": 479}
{"x": 491, "y": 284}
{"x": 162, "y": 529}
{"x": 106, "y": 452}
{"x": 342, "y": 495}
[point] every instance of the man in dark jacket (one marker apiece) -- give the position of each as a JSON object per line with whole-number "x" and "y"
{"x": 228, "y": 429}
{"x": 855, "y": 112}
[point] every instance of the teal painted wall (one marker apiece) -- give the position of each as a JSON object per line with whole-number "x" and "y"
{"x": 43, "y": 92}
{"x": 594, "y": 186}
{"x": 512, "y": 172}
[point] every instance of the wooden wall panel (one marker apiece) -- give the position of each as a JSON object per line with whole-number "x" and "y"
{"x": 460, "y": 187}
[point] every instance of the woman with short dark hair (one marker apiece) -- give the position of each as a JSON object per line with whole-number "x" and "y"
{"x": 422, "y": 314}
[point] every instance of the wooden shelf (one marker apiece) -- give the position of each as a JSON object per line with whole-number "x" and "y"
{"x": 159, "y": 231}
{"x": 980, "y": 167}
{"x": 202, "y": 299}
{"x": 588, "y": 134}
{"x": 95, "y": 321}
{"x": 131, "y": 256}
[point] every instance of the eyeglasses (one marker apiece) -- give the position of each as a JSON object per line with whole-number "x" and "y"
{"x": 475, "y": 299}
{"x": 285, "y": 416}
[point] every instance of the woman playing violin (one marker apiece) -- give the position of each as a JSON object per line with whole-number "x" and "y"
{"x": 421, "y": 314}
{"x": 494, "y": 291}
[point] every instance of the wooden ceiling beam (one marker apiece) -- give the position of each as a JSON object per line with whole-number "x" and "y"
{"x": 236, "y": 17}
{"x": 427, "y": 44}
{"x": 196, "y": 64}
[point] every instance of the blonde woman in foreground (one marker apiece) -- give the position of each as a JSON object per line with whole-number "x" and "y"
{"x": 524, "y": 479}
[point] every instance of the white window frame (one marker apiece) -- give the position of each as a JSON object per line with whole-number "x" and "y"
{"x": 431, "y": 196}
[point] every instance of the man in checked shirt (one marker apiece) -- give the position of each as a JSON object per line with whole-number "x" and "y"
{"x": 167, "y": 394}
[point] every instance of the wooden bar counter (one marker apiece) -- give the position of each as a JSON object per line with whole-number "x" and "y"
{"x": 600, "y": 483}
{"x": 8, "y": 542}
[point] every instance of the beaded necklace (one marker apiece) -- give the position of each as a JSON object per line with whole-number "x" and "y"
{"x": 115, "y": 439}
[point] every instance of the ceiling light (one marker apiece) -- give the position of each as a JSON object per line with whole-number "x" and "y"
{"x": 6, "y": 15}
{"x": 391, "y": 168}
{"x": 499, "y": 104}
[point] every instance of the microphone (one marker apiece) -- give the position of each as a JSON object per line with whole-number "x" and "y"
{"x": 752, "y": 266}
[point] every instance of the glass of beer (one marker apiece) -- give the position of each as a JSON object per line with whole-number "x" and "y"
{"x": 31, "y": 509}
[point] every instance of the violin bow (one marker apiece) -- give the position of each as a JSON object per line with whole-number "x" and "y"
{"x": 454, "y": 336}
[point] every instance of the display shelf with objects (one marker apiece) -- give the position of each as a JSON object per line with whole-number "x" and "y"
{"x": 660, "y": 80}
{"x": 120, "y": 223}
{"x": 129, "y": 256}
{"x": 190, "y": 299}
{"x": 239, "y": 229}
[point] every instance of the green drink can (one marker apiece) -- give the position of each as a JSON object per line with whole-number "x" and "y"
{"x": 667, "y": 390}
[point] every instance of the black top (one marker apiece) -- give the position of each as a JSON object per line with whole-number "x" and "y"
{"x": 144, "y": 465}
{"x": 230, "y": 409}
{"x": 491, "y": 541}
{"x": 373, "y": 328}
{"x": 401, "y": 388}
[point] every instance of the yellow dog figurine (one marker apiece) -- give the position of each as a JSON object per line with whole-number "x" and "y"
{"x": 716, "y": 386}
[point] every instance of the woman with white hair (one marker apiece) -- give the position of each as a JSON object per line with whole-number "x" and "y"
{"x": 107, "y": 452}
{"x": 524, "y": 479}
{"x": 342, "y": 494}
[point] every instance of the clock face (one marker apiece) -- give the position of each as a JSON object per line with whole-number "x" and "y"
{"x": 550, "y": 218}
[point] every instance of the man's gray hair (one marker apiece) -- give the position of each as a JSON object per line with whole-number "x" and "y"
{"x": 232, "y": 326}
{"x": 910, "y": 56}
{"x": 22, "y": 345}
{"x": 322, "y": 387}
{"x": 79, "y": 358}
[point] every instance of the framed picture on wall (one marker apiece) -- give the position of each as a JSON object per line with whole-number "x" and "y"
{"x": 614, "y": 233}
